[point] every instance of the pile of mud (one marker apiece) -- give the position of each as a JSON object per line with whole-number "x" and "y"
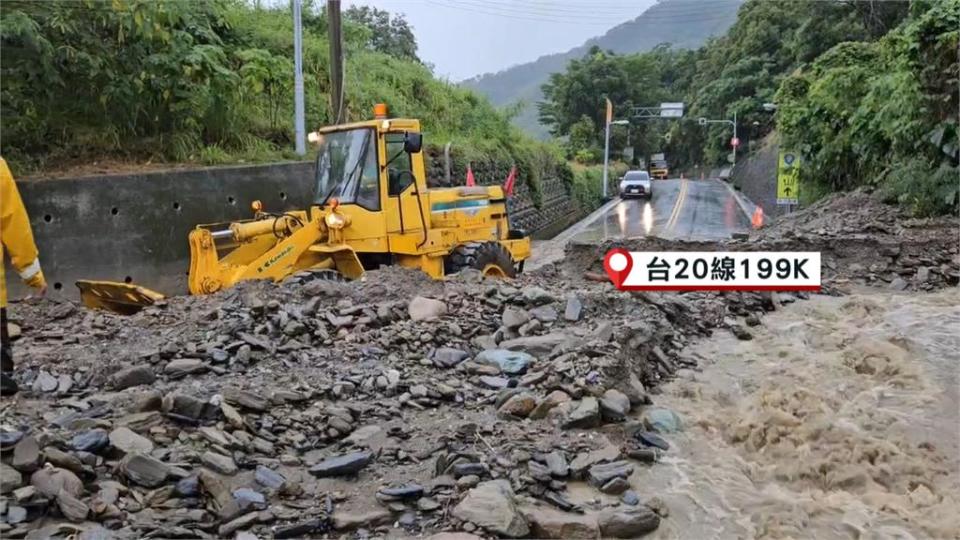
{"x": 391, "y": 406}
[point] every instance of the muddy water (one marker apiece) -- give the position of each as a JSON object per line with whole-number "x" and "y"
{"x": 838, "y": 420}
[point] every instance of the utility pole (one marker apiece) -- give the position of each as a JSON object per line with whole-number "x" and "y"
{"x": 606, "y": 144}
{"x": 606, "y": 160}
{"x": 298, "y": 108}
{"x": 336, "y": 60}
{"x": 736, "y": 139}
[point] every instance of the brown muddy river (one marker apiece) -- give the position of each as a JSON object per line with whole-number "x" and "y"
{"x": 838, "y": 420}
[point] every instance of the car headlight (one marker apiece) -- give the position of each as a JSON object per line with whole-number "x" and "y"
{"x": 335, "y": 220}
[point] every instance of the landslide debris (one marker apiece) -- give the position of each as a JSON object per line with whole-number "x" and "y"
{"x": 392, "y": 406}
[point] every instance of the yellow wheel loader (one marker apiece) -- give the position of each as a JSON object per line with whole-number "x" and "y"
{"x": 371, "y": 207}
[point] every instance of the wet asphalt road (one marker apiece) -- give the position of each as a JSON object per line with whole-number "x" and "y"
{"x": 684, "y": 209}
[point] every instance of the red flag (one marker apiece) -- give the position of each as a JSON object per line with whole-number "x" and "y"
{"x": 511, "y": 178}
{"x": 470, "y": 180}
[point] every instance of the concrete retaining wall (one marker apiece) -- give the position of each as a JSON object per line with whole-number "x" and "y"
{"x": 134, "y": 227}
{"x": 756, "y": 177}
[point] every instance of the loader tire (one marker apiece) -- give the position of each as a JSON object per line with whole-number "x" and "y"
{"x": 491, "y": 258}
{"x": 325, "y": 274}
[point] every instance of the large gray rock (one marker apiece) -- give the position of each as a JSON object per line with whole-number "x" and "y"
{"x": 51, "y": 480}
{"x": 586, "y": 415}
{"x": 219, "y": 463}
{"x": 557, "y": 463}
{"x": 509, "y": 362}
{"x": 92, "y": 440}
{"x": 71, "y": 507}
{"x": 144, "y": 470}
{"x": 514, "y": 318}
{"x": 627, "y": 521}
{"x": 548, "y": 522}
{"x": 125, "y": 440}
{"x": 547, "y": 404}
{"x": 585, "y": 460}
{"x": 614, "y": 405}
{"x": 423, "y": 309}
{"x": 246, "y": 399}
{"x": 537, "y": 345}
{"x": 26, "y": 455}
{"x": 536, "y": 296}
{"x": 10, "y": 478}
{"x": 187, "y": 406}
{"x": 132, "y": 376}
{"x": 573, "y": 309}
{"x": 544, "y": 313}
{"x": 346, "y": 520}
{"x": 491, "y": 505}
{"x": 602, "y": 473}
{"x": 269, "y": 478}
{"x": 184, "y": 366}
{"x": 342, "y": 465}
{"x": 519, "y": 405}
{"x": 634, "y": 390}
{"x": 449, "y": 357}
{"x": 661, "y": 420}
{"x": 59, "y": 458}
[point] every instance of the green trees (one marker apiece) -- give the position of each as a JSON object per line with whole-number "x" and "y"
{"x": 389, "y": 35}
{"x": 866, "y": 90}
{"x": 209, "y": 82}
{"x": 883, "y": 112}
{"x": 574, "y": 105}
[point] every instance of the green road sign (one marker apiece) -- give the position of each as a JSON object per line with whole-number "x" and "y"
{"x": 788, "y": 178}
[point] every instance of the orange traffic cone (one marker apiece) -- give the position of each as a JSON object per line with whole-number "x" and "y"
{"x": 757, "y": 219}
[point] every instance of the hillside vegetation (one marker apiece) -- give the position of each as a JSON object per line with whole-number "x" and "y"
{"x": 212, "y": 82}
{"x": 866, "y": 91}
{"x": 681, "y": 23}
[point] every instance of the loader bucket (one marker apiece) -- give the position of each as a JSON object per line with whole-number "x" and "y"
{"x": 122, "y": 298}
{"x": 345, "y": 259}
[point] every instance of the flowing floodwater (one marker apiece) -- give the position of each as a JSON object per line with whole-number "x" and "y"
{"x": 838, "y": 420}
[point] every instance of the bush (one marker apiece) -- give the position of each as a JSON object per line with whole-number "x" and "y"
{"x": 882, "y": 113}
{"x": 209, "y": 82}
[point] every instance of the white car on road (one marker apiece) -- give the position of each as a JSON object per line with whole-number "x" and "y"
{"x": 636, "y": 184}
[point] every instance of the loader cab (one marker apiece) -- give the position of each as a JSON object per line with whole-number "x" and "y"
{"x": 375, "y": 171}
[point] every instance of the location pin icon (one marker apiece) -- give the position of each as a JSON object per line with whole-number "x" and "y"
{"x": 618, "y": 263}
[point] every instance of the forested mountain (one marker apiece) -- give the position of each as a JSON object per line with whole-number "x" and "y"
{"x": 682, "y": 23}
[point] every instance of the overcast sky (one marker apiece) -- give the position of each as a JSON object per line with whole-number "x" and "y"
{"x": 463, "y": 38}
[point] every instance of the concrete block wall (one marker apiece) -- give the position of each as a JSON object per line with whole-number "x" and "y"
{"x": 134, "y": 227}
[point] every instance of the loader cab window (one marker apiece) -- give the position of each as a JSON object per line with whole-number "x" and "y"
{"x": 399, "y": 171}
{"x": 347, "y": 168}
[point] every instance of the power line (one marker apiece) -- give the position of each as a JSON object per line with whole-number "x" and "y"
{"x": 581, "y": 20}
{"x": 593, "y": 10}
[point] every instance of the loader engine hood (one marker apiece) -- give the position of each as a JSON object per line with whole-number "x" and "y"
{"x": 466, "y": 198}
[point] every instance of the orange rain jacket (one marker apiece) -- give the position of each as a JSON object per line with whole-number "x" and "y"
{"x": 16, "y": 237}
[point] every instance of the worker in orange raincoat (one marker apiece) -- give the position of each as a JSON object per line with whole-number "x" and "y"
{"x": 16, "y": 238}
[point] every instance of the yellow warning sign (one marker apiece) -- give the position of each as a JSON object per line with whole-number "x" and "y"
{"x": 788, "y": 178}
